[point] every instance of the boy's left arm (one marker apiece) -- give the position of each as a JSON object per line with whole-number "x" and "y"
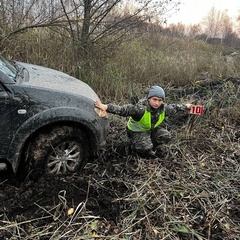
{"x": 180, "y": 109}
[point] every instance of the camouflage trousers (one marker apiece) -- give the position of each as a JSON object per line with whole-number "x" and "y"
{"x": 144, "y": 142}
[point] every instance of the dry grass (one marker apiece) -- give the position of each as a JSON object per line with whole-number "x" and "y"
{"x": 121, "y": 72}
{"x": 191, "y": 193}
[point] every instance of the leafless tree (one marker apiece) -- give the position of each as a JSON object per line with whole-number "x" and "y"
{"x": 219, "y": 25}
{"x": 194, "y": 30}
{"x": 176, "y": 30}
{"x": 87, "y": 22}
{"x": 212, "y": 23}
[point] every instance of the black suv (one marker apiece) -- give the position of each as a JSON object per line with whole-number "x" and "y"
{"x": 48, "y": 121}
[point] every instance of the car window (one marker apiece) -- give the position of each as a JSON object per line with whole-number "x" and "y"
{"x": 7, "y": 68}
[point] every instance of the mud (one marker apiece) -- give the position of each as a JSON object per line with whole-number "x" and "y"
{"x": 103, "y": 182}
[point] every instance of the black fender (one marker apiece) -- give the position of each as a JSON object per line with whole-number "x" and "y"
{"x": 48, "y": 117}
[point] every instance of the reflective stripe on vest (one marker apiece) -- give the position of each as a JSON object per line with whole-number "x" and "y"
{"x": 145, "y": 122}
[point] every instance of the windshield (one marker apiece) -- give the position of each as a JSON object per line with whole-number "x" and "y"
{"x": 7, "y": 68}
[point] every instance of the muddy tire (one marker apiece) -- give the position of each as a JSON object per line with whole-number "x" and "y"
{"x": 58, "y": 151}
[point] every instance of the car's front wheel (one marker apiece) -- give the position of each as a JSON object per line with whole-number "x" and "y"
{"x": 58, "y": 151}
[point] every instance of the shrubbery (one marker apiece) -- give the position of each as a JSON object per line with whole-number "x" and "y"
{"x": 129, "y": 68}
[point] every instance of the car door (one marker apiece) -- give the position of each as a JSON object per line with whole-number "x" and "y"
{"x": 5, "y": 121}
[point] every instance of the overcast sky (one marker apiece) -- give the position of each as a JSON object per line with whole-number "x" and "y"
{"x": 193, "y": 11}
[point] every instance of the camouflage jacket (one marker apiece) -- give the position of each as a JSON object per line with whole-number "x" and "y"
{"x": 136, "y": 111}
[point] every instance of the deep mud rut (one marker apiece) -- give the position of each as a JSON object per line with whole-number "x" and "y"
{"x": 97, "y": 184}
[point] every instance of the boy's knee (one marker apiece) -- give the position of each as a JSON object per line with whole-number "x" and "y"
{"x": 141, "y": 142}
{"x": 167, "y": 138}
{"x": 163, "y": 136}
{"x": 142, "y": 147}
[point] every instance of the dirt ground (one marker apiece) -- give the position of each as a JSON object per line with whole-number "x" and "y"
{"x": 197, "y": 179}
{"x": 97, "y": 185}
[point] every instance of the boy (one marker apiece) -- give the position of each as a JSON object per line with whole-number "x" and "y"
{"x": 146, "y": 117}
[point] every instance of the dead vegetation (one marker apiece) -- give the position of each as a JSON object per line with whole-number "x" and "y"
{"x": 190, "y": 193}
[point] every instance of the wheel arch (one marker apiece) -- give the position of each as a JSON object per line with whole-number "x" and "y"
{"x": 29, "y": 131}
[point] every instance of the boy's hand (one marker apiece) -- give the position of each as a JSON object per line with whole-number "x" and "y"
{"x": 101, "y": 106}
{"x": 188, "y": 105}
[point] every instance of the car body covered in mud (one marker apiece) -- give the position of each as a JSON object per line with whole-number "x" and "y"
{"x": 48, "y": 121}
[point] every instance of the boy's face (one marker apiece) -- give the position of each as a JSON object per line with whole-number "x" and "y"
{"x": 155, "y": 102}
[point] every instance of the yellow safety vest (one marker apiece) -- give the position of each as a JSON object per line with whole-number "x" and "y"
{"x": 145, "y": 122}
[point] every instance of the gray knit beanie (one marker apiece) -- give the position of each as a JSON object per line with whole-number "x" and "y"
{"x": 156, "y": 91}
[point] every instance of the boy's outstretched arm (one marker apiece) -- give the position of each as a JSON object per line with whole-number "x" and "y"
{"x": 124, "y": 110}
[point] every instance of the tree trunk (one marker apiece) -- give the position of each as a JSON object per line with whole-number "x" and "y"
{"x": 86, "y": 24}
